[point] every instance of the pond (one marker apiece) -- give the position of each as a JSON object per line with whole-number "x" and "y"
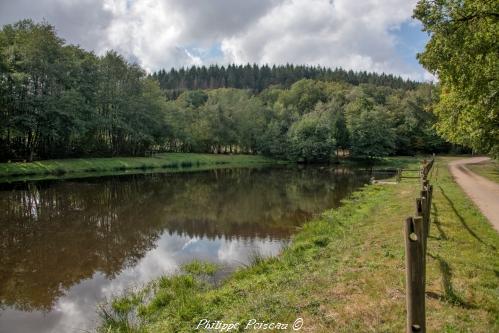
{"x": 68, "y": 245}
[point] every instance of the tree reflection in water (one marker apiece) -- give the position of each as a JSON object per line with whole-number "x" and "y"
{"x": 55, "y": 234}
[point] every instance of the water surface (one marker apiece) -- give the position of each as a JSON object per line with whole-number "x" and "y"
{"x": 68, "y": 245}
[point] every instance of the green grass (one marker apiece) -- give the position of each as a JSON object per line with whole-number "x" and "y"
{"x": 489, "y": 169}
{"x": 124, "y": 314}
{"x": 344, "y": 272}
{"x": 68, "y": 168}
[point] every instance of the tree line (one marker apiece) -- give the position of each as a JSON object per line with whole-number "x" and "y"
{"x": 58, "y": 101}
{"x": 257, "y": 78}
{"x": 311, "y": 121}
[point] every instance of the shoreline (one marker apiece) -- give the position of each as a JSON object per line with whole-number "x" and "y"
{"x": 110, "y": 166}
{"x": 342, "y": 272}
{"x": 60, "y": 169}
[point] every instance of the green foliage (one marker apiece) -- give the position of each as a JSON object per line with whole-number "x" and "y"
{"x": 338, "y": 124}
{"x": 194, "y": 98}
{"x": 307, "y": 122}
{"x": 413, "y": 122}
{"x": 258, "y": 78}
{"x": 304, "y": 95}
{"x": 312, "y": 138}
{"x": 463, "y": 52}
{"x": 371, "y": 134}
{"x": 60, "y": 101}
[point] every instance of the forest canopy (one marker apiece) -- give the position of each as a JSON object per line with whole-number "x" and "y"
{"x": 463, "y": 52}
{"x": 256, "y": 78}
{"x": 58, "y": 100}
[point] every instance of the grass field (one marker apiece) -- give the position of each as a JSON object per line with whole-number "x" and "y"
{"x": 68, "y": 168}
{"x": 342, "y": 273}
{"x": 489, "y": 169}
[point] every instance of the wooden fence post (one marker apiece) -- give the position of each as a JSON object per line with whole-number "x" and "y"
{"x": 430, "y": 198}
{"x": 425, "y": 214}
{"x": 420, "y": 213}
{"x": 415, "y": 285}
{"x": 416, "y": 232}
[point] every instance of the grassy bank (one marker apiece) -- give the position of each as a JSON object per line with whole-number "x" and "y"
{"x": 489, "y": 169}
{"x": 342, "y": 273}
{"x": 67, "y": 168}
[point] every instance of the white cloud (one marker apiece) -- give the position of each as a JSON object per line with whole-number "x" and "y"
{"x": 237, "y": 252}
{"x": 146, "y": 30}
{"x": 359, "y": 35}
{"x": 351, "y": 34}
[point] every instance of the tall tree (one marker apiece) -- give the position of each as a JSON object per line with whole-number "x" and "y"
{"x": 371, "y": 135}
{"x": 58, "y": 100}
{"x": 463, "y": 52}
{"x": 312, "y": 137}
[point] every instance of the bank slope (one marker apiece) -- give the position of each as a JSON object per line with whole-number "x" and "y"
{"x": 67, "y": 168}
{"x": 343, "y": 272}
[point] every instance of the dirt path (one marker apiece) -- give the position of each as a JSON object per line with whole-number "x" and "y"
{"x": 483, "y": 192}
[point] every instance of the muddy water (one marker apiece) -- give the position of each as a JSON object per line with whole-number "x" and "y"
{"x": 67, "y": 245}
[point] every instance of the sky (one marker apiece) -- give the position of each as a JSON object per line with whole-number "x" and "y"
{"x": 371, "y": 35}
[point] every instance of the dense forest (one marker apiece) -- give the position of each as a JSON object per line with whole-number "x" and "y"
{"x": 58, "y": 100}
{"x": 256, "y": 78}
